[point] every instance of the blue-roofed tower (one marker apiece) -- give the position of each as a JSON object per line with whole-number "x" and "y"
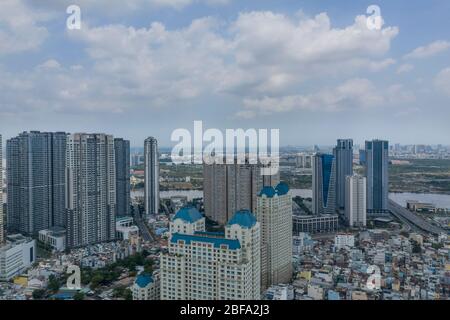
{"x": 274, "y": 213}
{"x": 187, "y": 220}
{"x": 196, "y": 264}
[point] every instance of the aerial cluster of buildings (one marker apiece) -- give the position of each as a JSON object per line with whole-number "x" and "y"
{"x": 68, "y": 190}
{"x": 72, "y": 191}
{"x": 337, "y": 190}
{"x": 419, "y": 151}
{"x": 370, "y": 265}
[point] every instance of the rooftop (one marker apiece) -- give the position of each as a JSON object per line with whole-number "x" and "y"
{"x": 232, "y": 244}
{"x": 143, "y": 280}
{"x": 188, "y": 214}
{"x": 244, "y": 218}
{"x": 280, "y": 190}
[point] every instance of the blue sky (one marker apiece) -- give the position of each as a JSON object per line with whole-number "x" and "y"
{"x": 146, "y": 67}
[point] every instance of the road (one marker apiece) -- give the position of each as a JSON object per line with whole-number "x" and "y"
{"x": 145, "y": 233}
{"x": 413, "y": 220}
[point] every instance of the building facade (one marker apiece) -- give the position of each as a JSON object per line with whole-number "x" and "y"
{"x": 232, "y": 187}
{"x": 36, "y": 181}
{"x": 122, "y": 157}
{"x": 16, "y": 255}
{"x": 146, "y": 287}
{"x": 151, "y": 175}
{"x": 2, "y": 221}
{"x": 274, "y": 213}
{"x": 315, "y": 224}
{"x": 324, "y": 184}
{"x": 343, "y": 153}
{"x": 90, "y": 189}
{"x": 200, "y": 265}
{"x": 376, "y": 169}
{"x": 356, "y": 201}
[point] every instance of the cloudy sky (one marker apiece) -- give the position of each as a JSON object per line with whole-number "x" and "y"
{"x": 311, "y": 68}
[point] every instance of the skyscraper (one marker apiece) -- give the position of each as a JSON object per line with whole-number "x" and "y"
{"x": 376, "y": 169}
{"x": 324, "y": 184}
{"x": 343, "y": 153}
{"x": 355, "y": 201}
{"x": 274, "y": 213}
{"x": 201, "y": 265}
{"x": 35, "y": 175}
{"x": 90, "y": 189}
{"x": 2, "y": 230}
{"x": 228, "y": 188}
{"x": 151, "y": 171}
{"x": 122, "y": 156}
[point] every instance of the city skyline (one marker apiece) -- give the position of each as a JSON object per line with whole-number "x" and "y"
{"x": 371, "y": 84}
{"x": 251, "y": 150}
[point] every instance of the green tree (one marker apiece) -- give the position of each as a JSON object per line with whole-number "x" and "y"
{"x": 38, "y": 294}
{"x": 53, "y": 283}
{"x": 96, "y": 281}
{"x": 128, "y": 295}
{"x": 78, "y": 296}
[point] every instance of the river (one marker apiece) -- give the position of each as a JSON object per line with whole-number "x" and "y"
{"x": 439, "y": 200}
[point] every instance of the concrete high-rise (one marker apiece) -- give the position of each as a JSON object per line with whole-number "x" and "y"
{"x": 324, "y": 184}
{"x": 35, "y": 181}
{"x": 228, "y": 188}
{"x": 355, "y": 201}
{"x": 122, "y": 157}
{"x": 2, "y": 226}
{"x": 90, "y": 189}
{"x": 376, "y": 170}
{"x": 151, "y": 178}
{"x": 274, "y": 213}
{"x": 201, "y": 265}
{"x": 343, "y": 154}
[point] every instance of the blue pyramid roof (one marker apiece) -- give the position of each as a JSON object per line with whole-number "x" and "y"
{"x": 188, "y": 214}
{"x": 267, "y": 191}
{"x": 244, "y": 218}
{"x": 281, "y": 189}
{"x": 143, "y": 280}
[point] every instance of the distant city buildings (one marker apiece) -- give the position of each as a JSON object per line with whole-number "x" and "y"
{"x": 324, "y": 184}
{"x": 376, "y": 169}
{"x": 274, "y": 213}
{"x": 200, "y": 265}
{"x": 343, "y": 154}
{"x": 90, "y": 189}
{"x": 151, "y": 173}
{"x": 122, "y": 158}
{"x": 36, "y": 181}
{"x": 356, "y": 201}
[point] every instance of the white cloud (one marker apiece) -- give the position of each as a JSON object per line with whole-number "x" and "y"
{"x": 442, "y": 81}
{"x": 260, "y": 54}
{"x": 405, "y": 68}
{"x": 121, "y": 6}
{"x": 429, "y": 50}
{"x": 352, "y": 94}
{"x": 19, "y": 27}
{"x": 49, "y": 64}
